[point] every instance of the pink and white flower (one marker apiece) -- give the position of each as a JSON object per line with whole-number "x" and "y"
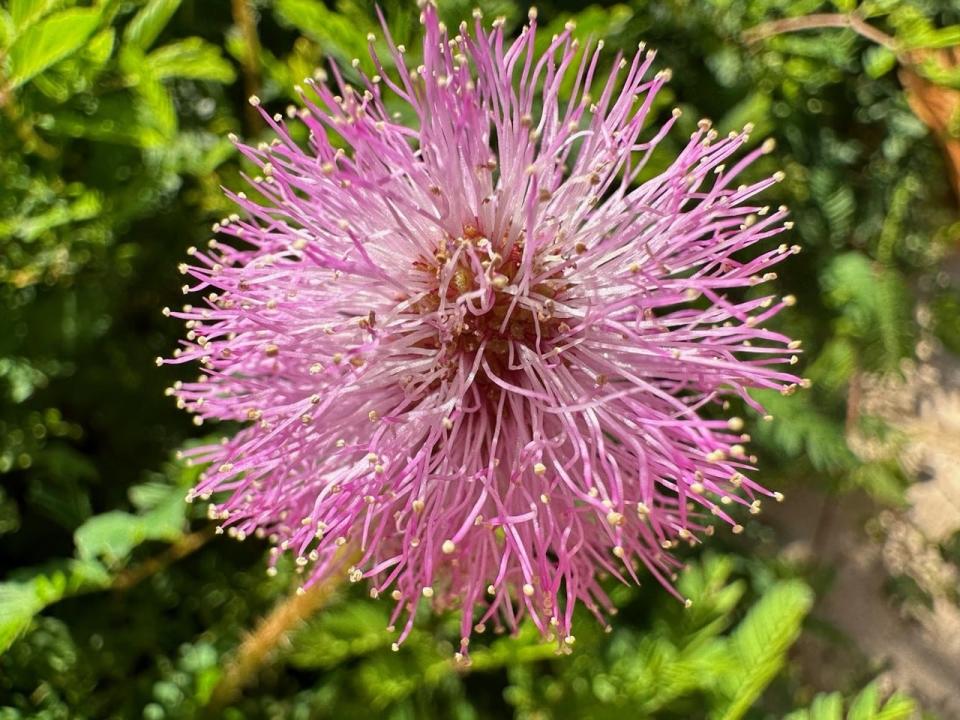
{"x": 486, "y": 351}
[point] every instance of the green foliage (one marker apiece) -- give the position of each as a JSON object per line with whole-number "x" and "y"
{"x": 687, "y": 657}
{"x": 113, "y": 150}
{"x": 21, "y": 600}
{"x": 52, "y": 39}
{"x": 865, "y": 706}
{"x": 103, "y": 544}
{"x": 760, "y": 644}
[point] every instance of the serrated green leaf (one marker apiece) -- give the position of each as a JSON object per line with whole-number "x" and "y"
{"x": 146, "y": 25}
{"x": 346, "y": 631}
{"x": 49, "y": 41}
{"x": 801, "y": 427}
{"x": 875, "y": 305}
{"x": 192, "y": 58}
{"x": 760, "y": 643}
{"x": 156, "y": 112}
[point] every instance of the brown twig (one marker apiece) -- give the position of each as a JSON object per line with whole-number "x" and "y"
{"x": 271, "y": 631}
{"x": 244, "y": 18}
{"x": 186, "y": 545}
{"x": 24, "y": 130}
{"x": 850, "y": 21}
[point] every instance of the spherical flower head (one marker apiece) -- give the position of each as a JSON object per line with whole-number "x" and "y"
{"x": 483, "y": 355}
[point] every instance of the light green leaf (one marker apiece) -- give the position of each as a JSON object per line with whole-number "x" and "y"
{"x": 100, "y": 48}
{"x": 878, "y": 61}
{"x": 335, "y": 33}
{"x": 760, "y": 644}
{"x": 21, "y": 600}
{"x": 111, "y": 535}
{"x": 827, "y": 706}
{"x": 898, "y": 707}
{"x": 192, "y": 58}
{"x": 55, "y": 38}
{"x": 149, "y": 23}
{"x": 933, "y": 38}
{"x": 940, "y": 74}
{"x": 18, "y": 605}
{"x": 864, "y": 706}
{"x": 26, "y": 12}
{"x": 114, "y": 535}
{"x": 156, "y": 112}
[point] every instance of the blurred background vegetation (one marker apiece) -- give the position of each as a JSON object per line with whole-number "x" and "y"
{"x": 115, "y": 601}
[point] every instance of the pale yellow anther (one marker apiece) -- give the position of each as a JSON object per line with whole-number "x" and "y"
{"x": 499, "y": 281}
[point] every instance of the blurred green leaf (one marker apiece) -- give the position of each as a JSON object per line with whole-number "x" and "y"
{"x": 192, "y": 58}
{"x": 113, "y": 535}
{"x": 878, "y": 61}
{"x": 149, "y": 22}
{"x": 49, "y": 41}
{"x": 866, "y": 706}
{"x": 25, "y": 12}
{"x": 21, "y": 600}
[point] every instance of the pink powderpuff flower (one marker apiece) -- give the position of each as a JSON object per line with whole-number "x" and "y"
{"x": 483, "y": 351}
